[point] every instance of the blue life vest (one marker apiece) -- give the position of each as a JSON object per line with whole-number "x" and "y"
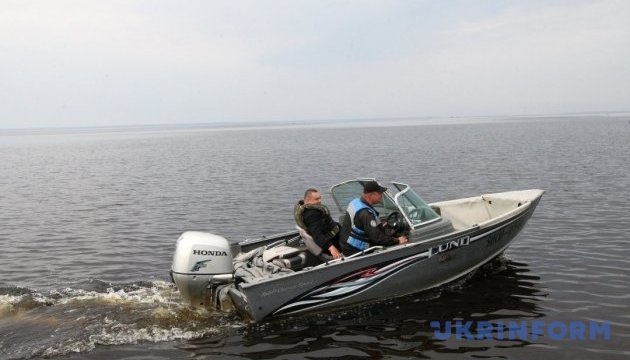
{"x": 358, "y": 238}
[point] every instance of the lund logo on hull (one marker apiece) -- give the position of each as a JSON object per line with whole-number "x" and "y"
{"x": 442, "y": 248}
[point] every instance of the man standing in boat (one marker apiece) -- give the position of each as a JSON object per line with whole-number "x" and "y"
{"x": 314, "y": 217}
{"x": 362, "y": 227}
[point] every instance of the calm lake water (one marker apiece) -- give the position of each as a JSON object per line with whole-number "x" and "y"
{"x": 89, "y": 219}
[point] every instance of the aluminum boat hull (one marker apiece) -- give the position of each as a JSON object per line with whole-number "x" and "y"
{"x": 390, "y": 273}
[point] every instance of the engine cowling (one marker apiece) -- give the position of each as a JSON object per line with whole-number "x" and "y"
{"x": 200, "y": 259}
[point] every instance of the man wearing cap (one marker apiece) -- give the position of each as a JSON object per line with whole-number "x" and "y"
{"x": 361, "y": 226}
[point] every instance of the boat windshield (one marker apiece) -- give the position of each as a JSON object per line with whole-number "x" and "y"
{"x": 345, "y": 192}
{"x": 413, "y": 207}
{"x": 405, "y": 201}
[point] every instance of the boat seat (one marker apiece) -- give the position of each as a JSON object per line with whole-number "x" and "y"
{"x": 312, "y": 246}
{"x": 284, "y": 256}
{"x": 294, "y": 263}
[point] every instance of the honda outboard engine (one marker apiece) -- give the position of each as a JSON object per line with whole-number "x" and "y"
{"x": 200, "y": 259}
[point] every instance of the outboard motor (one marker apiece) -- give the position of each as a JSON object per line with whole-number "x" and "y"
{"x": 200, "y": 259}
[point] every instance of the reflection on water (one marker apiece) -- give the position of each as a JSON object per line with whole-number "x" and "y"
{"x": 394, "y": 328}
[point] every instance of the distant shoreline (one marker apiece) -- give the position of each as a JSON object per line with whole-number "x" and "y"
{"x": 333, "y": 123}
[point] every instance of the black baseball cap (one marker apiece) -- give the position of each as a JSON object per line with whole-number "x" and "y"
{"x": 372, "y": 186}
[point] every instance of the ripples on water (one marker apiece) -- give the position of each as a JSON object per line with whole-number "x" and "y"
{"x": 89, "y": 223}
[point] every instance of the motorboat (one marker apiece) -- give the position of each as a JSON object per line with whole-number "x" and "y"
{"x": 286, "y": 273}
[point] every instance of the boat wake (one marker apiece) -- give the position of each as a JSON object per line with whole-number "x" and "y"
{"x": 78, "y": 318}
{"x": 91, "y": 313}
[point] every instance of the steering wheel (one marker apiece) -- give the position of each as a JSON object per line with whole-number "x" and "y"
{"x": 396, "y": 222}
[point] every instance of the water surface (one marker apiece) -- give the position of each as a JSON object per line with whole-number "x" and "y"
{"x": 89, "y": 221}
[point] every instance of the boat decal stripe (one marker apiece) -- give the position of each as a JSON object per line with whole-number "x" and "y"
{"x": 334, "y": 291}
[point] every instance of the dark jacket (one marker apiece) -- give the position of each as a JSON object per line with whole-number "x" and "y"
{"x": 376, "y": 234}
{"x": 318, "y": 226}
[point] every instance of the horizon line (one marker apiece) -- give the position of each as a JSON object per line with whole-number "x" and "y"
{"x": 270, "y": 123}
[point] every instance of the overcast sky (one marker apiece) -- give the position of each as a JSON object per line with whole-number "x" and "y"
{"x": 100, "y": 63}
